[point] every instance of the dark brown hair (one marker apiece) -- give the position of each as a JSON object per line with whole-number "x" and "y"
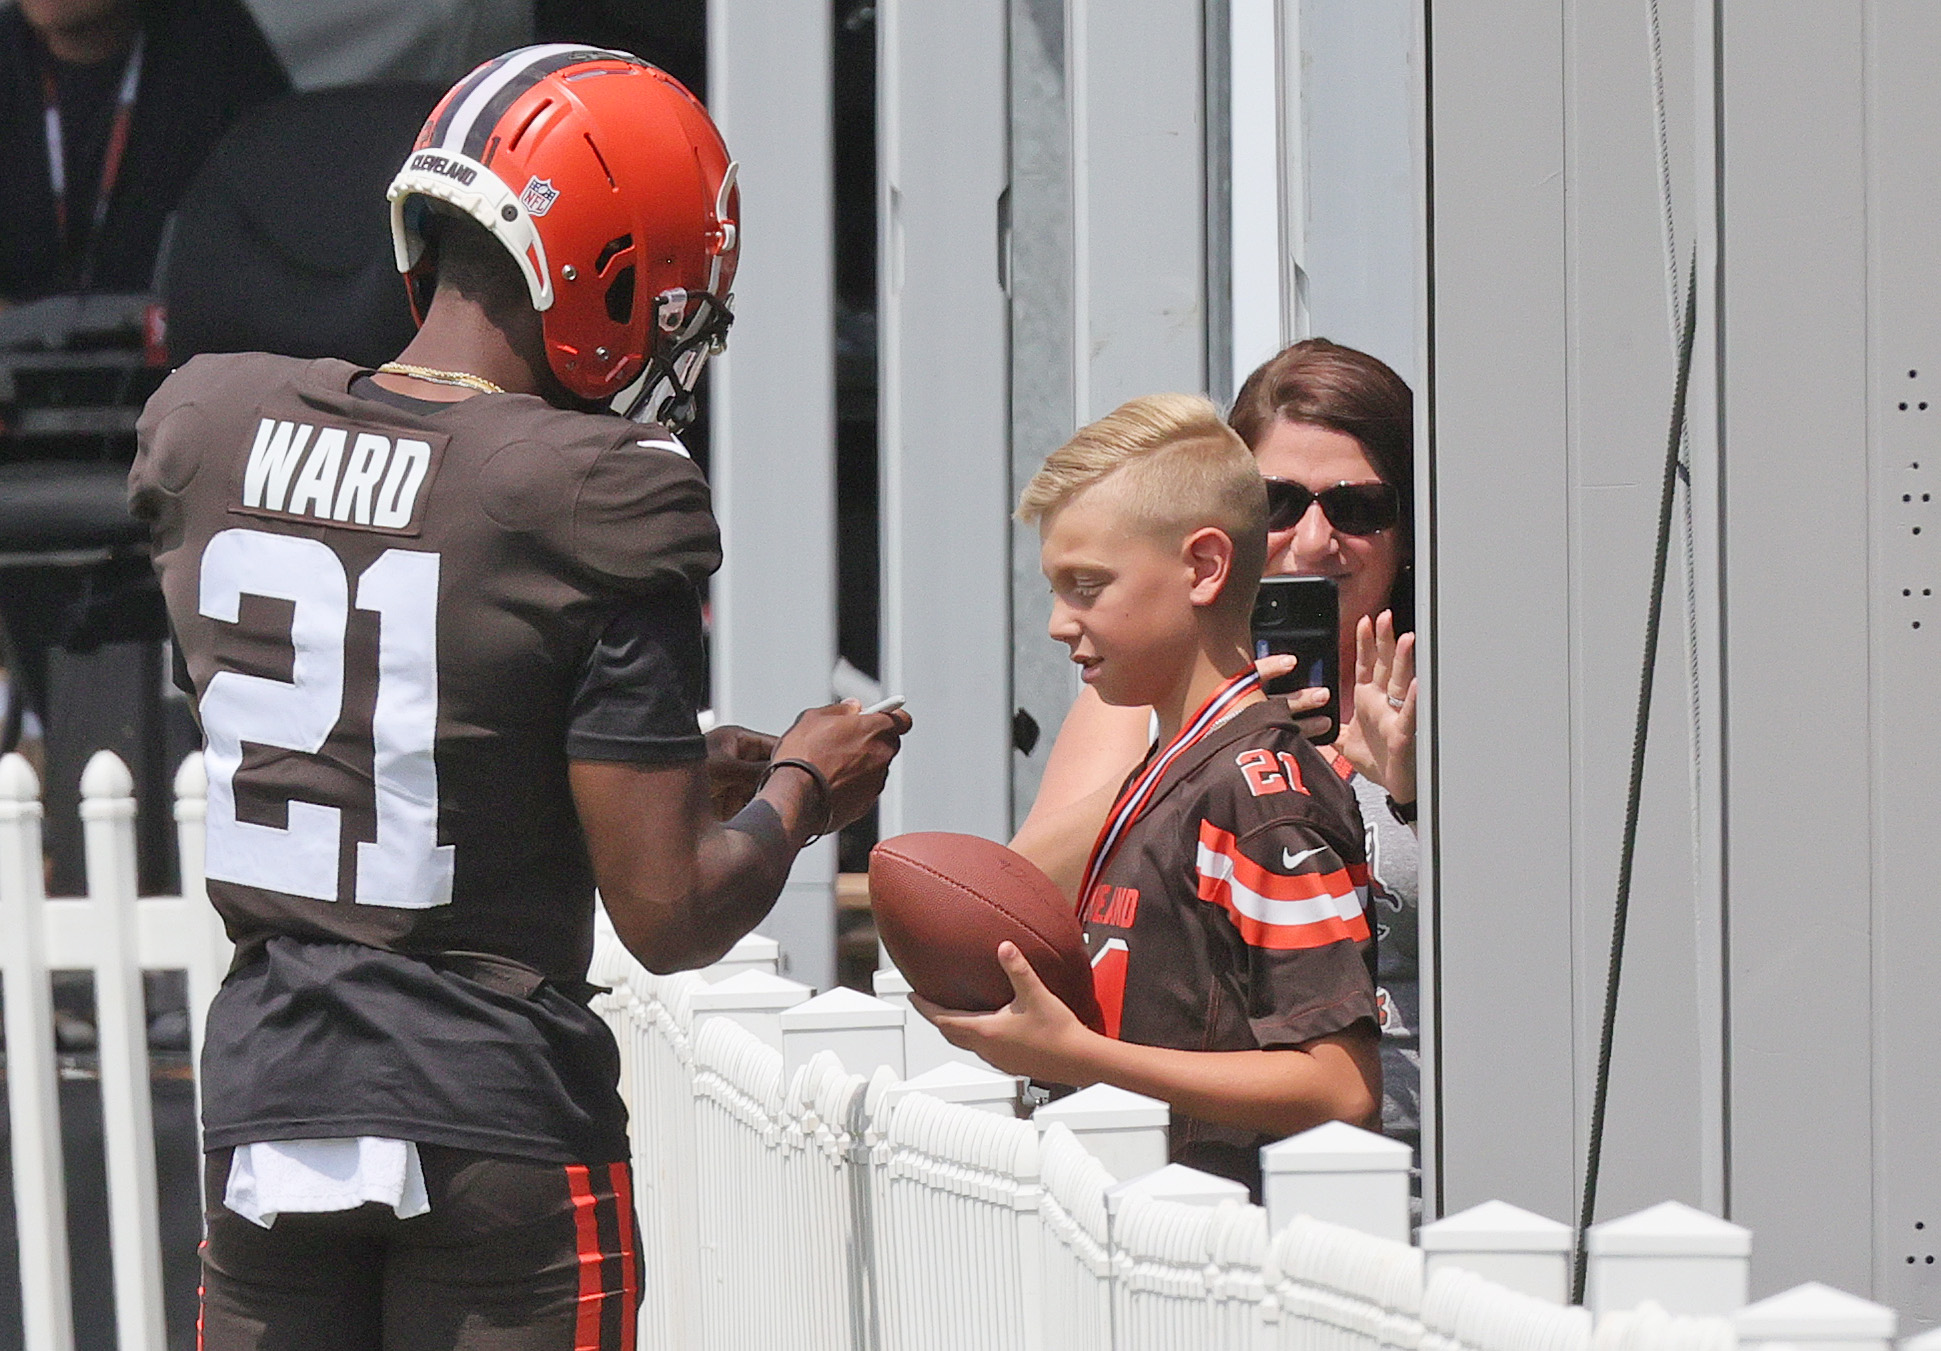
{"x": 1329, "y": 385}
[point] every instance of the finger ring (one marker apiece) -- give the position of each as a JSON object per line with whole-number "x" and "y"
{"x": 1395, "y": 703}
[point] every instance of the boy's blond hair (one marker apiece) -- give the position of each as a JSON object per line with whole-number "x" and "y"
{"x": 1176, "y": 467}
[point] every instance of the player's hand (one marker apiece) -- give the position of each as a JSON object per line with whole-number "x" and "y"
{"x": 853, "y": 749}
{"x": 1277, "y": 664}
{"x": 1036, "y": 1034}
{"x": 1380, "y": 741}
{"x": 736, "y": 758}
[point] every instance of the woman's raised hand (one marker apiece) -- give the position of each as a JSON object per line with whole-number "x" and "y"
{"x": 1380, "y": 742}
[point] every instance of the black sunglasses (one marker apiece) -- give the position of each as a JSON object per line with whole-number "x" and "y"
{"x": 1351, "y": 508}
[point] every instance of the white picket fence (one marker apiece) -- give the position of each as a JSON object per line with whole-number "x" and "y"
{"x": 788, "y": 1199}
{"x": 116, "y": 937}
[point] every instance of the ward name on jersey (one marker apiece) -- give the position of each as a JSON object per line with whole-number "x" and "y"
{"x": 375, "y": 484}
{"x": 394, "y": 621}
{"x": 1233, "y": 914}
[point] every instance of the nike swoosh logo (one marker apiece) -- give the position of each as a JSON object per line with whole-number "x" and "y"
{"x": 1295, "y": 860}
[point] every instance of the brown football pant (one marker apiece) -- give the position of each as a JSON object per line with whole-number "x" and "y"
{"x": 515, "y": 1255}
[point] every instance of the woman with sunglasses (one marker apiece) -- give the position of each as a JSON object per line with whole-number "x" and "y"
{"x": 1333, "y": 431}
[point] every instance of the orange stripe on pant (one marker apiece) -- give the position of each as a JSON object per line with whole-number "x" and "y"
{"x": 586, "y": 1331}
{"x": 623, "y": 1206}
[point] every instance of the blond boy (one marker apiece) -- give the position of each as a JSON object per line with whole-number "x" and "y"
{"x": 1224, "y": 901}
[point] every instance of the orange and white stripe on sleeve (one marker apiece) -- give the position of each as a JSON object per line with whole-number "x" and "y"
{"x": 1282, "y": 910}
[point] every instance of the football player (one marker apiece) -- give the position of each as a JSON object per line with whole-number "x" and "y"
{"x": 440, "y": 622}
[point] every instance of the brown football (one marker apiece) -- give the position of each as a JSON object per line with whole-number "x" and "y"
{"x": 944, "y": 902}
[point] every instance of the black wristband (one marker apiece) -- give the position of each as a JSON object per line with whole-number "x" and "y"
{"x": 1401, "y": 811}
{"x": 821, "y": 782}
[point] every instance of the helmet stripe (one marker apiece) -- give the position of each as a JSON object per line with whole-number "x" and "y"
{"x": 522, "y": 70}
{"x": 508, "y": 94}
{"x": 456, "y": 95}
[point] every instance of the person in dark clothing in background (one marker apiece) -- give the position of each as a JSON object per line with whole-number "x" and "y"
{"x": 107, "y": 108}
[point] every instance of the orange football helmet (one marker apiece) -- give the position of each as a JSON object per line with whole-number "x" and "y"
{"x": 610, "y": 186}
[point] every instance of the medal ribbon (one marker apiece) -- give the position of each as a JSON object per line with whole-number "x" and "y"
{"x": 50, "y": 94}
{"x": 1140, "y": 792}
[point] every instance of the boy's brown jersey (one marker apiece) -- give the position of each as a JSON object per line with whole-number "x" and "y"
{"x": 392, "y": 617}
{"x": 1232, "y": 915}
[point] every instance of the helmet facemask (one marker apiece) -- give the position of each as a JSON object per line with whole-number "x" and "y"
{"x": 689, "y": 327}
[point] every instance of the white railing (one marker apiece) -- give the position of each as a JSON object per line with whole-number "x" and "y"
{"x": 786, "y": 1201}
{"x": 115, "y": 936}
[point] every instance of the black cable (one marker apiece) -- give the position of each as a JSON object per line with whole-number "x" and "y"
{"x": 1628, "y": 850}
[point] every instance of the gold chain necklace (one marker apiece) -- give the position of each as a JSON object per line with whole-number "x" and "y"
{"x": 438, "y": 377}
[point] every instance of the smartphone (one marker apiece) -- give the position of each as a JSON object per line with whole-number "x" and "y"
{"x": 1302, "y": 616}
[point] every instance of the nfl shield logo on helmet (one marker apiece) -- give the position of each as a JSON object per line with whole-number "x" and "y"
{"x": 539, "y": 196}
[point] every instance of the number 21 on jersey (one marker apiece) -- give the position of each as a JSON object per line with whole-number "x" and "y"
{"x": 1267, "y": 772}
{"x": 405, "y": 867}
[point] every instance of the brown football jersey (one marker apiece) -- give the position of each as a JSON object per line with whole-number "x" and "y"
{"x": 400, "y": 621}
{"x": 1232, "y": 916}
{"x": 385, "y": 614}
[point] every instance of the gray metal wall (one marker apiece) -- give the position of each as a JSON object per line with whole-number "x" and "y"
{"x": 1898, "y": 473}
{"x": 1548, "y": 404}
{"x": 1828, "y": 305}
{"x": 1772, "y": 1056}
{"x": 1793, "y": 315}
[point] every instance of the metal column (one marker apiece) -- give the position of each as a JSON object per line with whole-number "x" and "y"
{"x": 942, "y": 318}
{"x": 1903, "y": 485}
{"x": 1352, "y": 76}
{"x": 773, "y": 408}
{"x": 1265, "y": 189}
{"x": 1802, "y": 841}
{"x": 1138, "y": 112}
{"x": 1109, "y": 259}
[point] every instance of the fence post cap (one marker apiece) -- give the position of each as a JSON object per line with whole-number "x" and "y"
{"x": 1104, "y": 1107}
{"x": 751, "y": 952}
{"x": 192, "y": 779}
{"x": 1814, "y": 1313}
{"x": 1335, "y": 1147}
{"x": 18, "y": 782}
{"x": 1669, "y": 1229}
{"x": 959, "y": 1074}
{"x": 962, "y": 1083}
{"x": 1495, "y": 1226}
{"x": 841, "y": 1007}
{"x": 1176, "y": 1182}
{"x": 749, "y": 990}
{"x": 106, "y": 777}
{"x": 753, "y": 947}
{"x": 889, "y": 983}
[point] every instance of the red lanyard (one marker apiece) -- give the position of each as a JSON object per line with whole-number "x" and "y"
{"x": 1142, "y": 790}
{"x": 50, "y": 94}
